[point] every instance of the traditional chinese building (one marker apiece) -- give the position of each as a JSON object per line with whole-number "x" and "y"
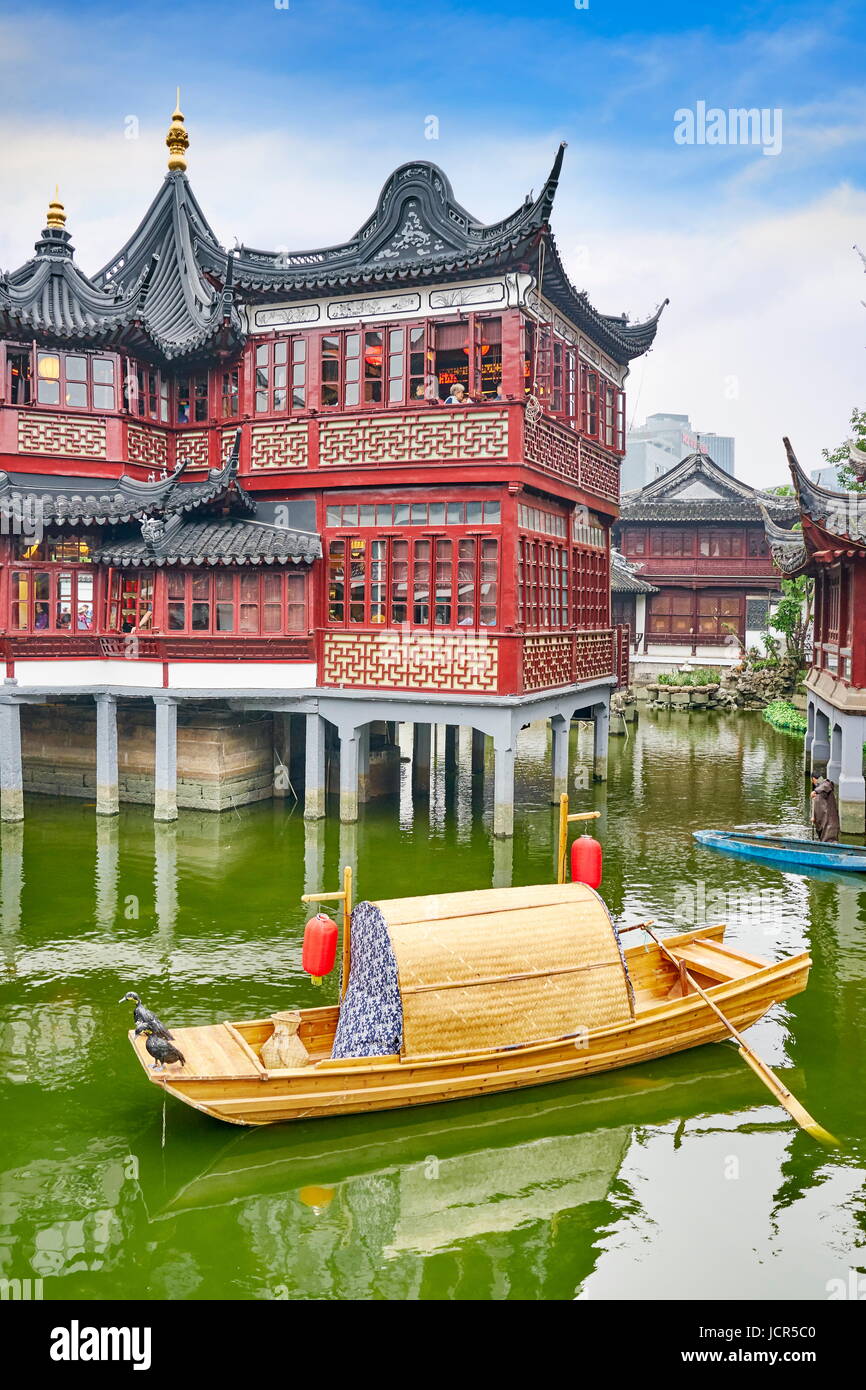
{"x": 241, "y": 487}
{"x": 698, "y": 536}
{"x": 831, "y": 546}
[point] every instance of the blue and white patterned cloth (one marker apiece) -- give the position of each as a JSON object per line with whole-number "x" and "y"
{"x": 371, "y": 1015}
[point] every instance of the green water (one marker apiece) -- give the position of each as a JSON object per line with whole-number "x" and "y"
{"x": 676, "y": 1179}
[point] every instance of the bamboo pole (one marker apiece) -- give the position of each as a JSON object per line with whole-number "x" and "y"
{"x": 564, "y": 821}
{"x": 785, "y": 1098}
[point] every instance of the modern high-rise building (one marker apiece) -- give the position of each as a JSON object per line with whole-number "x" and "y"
{"x": 662, "y": 441}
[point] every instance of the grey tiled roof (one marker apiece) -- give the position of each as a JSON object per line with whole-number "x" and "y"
{"x": 225, "y": 541}
{"x": 153, "y": 296}
{"x": 171, "y": 287}
{"x": 623, "y": 580}
{"x": 93, "y": 501}
{"x": 726, "y": 498}
{"x": 49, "y": 297}
{"x": 418, "y": 231}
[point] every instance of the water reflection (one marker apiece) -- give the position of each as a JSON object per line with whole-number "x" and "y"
{"x": 107, "y": 870}
{"x": 11, "y": 889}
{"x": 512, "y": 1194}
{"x": 165, "y": 835}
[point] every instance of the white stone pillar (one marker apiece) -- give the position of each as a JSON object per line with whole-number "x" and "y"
{"x": 11, "y": 772}
{"x": 282, "y": 752}
{"x": 314, "y": 768}
{"x": 560, "y": 730}
{"x": 503, "y": 787}
{"x": 834, "y": 766}
{"x": 852, "y": 785}
{"x": 165, "y": 767}
{"x": 601, "y": 727}
{"x": 349, "y": 760}
{"x": 639, "y": 622}
{"x": 107, "y": 783}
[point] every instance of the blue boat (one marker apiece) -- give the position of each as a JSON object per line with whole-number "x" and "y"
{"x": 787, "y": 850}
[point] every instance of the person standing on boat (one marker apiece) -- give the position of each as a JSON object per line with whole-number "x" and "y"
{"x": 825, "y": 812}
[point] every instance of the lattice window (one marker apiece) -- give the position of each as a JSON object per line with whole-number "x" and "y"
{"x": 423, "y": 581}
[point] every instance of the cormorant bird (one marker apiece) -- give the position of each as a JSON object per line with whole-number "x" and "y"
{"x": 159, "y": 1048}
{"x": 144, "y": 1018}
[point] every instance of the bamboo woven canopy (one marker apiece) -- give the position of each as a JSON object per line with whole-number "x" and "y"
{"x": 505, "y": 967}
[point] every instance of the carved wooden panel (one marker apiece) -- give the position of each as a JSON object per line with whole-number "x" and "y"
{"x": 61, "y": 434}
{"x": 279, "y": 445}
{"x": 548, "y": 660}
{"x": 599, "y": 473}
{"x": 456, "y": 662}
{"x": 423, "y": 437}
{"x": 146, "y": 445}
{"x": 552, "y": 446}
{"x": 192, "y": 445}
{"x": 594, "y": 655}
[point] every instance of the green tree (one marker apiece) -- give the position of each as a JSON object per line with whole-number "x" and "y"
{"x": 839, "y": 456}
{"x": 793, "y": 616}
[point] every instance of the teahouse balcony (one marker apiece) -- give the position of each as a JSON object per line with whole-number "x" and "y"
{"x": 362, "y": 443}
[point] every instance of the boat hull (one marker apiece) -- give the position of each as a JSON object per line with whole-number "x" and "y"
{"x": 375, "y": 1084}
{"x": 796, "y": 854}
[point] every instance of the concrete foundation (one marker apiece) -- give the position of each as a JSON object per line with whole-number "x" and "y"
{"x": 224, "y": 759}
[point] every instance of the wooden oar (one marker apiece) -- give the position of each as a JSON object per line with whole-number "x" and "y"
{"x": 790, "y": 1102}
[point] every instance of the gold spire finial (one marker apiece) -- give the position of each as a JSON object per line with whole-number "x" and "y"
{"x": 56, "y": 210}
{"x": 177, "y": 139}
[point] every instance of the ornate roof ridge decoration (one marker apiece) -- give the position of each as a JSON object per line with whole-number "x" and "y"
{"x": 857, "y": 460}
{"x": 129, "y": 500}
{"x": 416, "y": 219}
{"x": 418, "y": 231}
{"x": 788, "y": 548}
{"x": 221, "y": 541}
{"x": 182, "y": 310}
{"x": 840, "y": 514}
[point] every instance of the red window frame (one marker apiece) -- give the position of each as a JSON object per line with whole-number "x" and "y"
{"x": 196, "y": 393}
{"x": 590, "y": 588}
{"x": 230, "y": 602}
{"x": 437, "y": 581}
{"x": 91, "y": 384}
{"x": 41, "y": 589}
{"x": 543, "y": 598}
{"x": 129, "y": 600}
{"x": 280, "y": 381}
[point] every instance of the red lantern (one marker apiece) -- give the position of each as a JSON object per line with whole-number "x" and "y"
{"x": 586, "y": 861}
{"x": 320, "y": 947}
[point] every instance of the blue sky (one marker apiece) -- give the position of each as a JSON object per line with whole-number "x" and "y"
{"x": 297, "y": 115}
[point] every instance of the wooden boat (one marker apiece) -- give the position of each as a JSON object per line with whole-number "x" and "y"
{"x": 785, "y": 849}
{"x": 499, "y": 989}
